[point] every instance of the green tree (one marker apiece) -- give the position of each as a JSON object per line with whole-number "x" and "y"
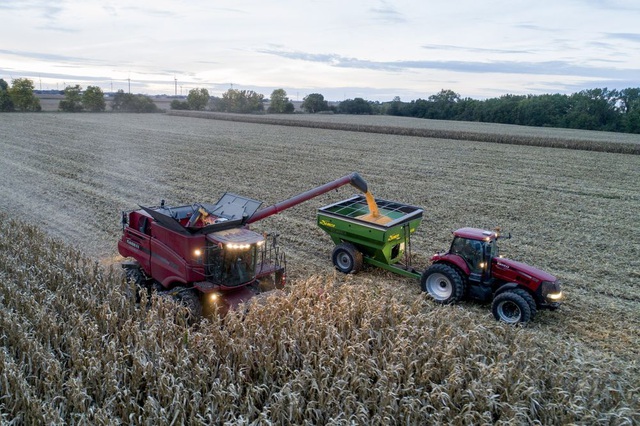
{"x": 93, "y": 99}
{"x": 314, "y": 102}
{"x": 197, "y": 99}
{"x": 72, "y": 101}
{"x": 126, "y": 102}
{"x": 355, "y": 106}
{"x": 6, "y": 104}
{"x": 177, "y": 104}
{"x": 22, "y": 95}
{"x": 242, "y": 101}
{"x": 279, "y": 102}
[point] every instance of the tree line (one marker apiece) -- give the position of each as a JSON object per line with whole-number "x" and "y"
{"x": 592, "y": 109}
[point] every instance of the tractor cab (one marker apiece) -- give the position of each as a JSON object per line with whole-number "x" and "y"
{"x": 476, "y": 248}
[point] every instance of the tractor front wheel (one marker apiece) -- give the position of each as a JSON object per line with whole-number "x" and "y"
{"x": 347, "y": 258}
{"x": 443, "y": 283}
{"x": 511, "y": 307}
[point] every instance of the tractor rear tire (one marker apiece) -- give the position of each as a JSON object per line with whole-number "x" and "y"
{"x": 511, "y": 307}
{"x": 443, "y": 283}
{"x": 347, "y": 258}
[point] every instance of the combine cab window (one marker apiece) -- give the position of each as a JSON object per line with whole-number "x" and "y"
{"x": 231, "y": 267}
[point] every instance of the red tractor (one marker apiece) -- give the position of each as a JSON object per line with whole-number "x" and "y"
{"x": 205, "y": 254}
{"x": 473, "y": 267}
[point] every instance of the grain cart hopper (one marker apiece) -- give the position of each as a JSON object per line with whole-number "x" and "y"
{"x": 471, "y": 268}
{"x": 205, "y": 254}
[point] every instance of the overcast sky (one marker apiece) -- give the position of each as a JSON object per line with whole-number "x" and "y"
{"x": 342, "y": 49}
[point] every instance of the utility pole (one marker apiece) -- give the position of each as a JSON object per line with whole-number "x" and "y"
{"x": 129, "y": 80}
{"x": 176, "y": 84}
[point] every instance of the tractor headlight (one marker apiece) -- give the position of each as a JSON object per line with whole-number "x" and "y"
{"x": 197, "y": 252}
{"x": 551, "y": 291}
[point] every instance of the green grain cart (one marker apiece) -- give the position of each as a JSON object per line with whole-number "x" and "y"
{"x": 359, "y": 239}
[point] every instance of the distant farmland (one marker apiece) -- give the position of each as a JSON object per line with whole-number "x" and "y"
{"x": 373, "y": 349}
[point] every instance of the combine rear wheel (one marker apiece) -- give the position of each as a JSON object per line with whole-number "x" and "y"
{"x": 511, "y": 307}
{"x": 347, "y": 258}
{"x": 443, "y": 283}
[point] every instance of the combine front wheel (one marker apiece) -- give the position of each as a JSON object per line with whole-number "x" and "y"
{"x": 347, "y": 258}
{"x": 190, "y": 299}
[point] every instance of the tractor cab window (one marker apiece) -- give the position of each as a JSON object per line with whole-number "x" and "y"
{"x": 231, "y": 266}
{"x": 470, "y": 250}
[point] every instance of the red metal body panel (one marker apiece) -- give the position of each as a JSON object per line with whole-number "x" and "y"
{"x": 512, "y": 271}
{"x": 354, "y": 179}
{"x": 453, "y": 259}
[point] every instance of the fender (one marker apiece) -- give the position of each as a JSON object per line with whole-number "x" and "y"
{"x": 173, "y": 281}
{"x": 454, "y": 260}
{"x": 505, "y": 287}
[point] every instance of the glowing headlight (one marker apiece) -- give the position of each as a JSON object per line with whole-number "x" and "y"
{"x": 213, "y": 297}
{"x": 260, "y": 243}
{"x": 237, "y": 246}
{"x": 483, "y": 265}
{"x": 197, "y": 252}
{"x": 555, "y": 296}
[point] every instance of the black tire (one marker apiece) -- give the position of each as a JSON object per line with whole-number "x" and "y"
{"x": 347, "y": 258}
{"x": 530, "y": 300}
{"x": 190, "y": 299}
{"x": 136, "y": 281}
{"x": 511, "y": 307}
{"x": 443, "y": 283}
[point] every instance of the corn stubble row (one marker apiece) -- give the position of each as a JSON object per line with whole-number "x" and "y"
{"x": 76, "y": 349}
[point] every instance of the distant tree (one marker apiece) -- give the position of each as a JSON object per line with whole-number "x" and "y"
{"x": 197, "y": 99}
{"x": 6, "y": 104}
{"x": 126, "y": 102}
{"x": 93, "y": 99}
{"x": 314, "y": 103}
{"x": 22, "y": 95}
{"x": 179, "y": 105}
{"x": 355, "y": 106}
{"x": 279, "y": 102}
{"x": 242, "y": 101}
{"x": 72, "y": 101}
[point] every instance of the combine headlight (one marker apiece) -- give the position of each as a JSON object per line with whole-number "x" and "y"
{"x": 237, "y": 246}
{"x": 197, "y": 252}
{"x": 213, "y": 297}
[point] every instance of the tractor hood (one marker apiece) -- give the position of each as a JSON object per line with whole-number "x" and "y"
{"x": 523, "y": 268}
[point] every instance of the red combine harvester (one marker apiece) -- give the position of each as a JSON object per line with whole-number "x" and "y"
{"x": 205, "y": 254}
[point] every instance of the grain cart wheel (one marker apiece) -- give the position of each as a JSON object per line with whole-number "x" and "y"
{"x": 511, "y": 308}
{"x": 190, "y": 299}
{"x": 347, "y": 258}
{"x": 443, "y": 283}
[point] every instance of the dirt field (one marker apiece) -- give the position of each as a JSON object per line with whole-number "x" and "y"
{"x": 572, "y": 213}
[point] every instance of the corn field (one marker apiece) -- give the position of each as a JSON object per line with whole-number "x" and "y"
{"x": 367, "y": 349}
{"x": 75, "y": 349}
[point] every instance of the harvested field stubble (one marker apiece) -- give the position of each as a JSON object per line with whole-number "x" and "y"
{"x": 76, "y": 350}
{"x": 573, "y": 213}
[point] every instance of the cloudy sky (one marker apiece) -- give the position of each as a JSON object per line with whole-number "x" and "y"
{"x": 342, "y": 49}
